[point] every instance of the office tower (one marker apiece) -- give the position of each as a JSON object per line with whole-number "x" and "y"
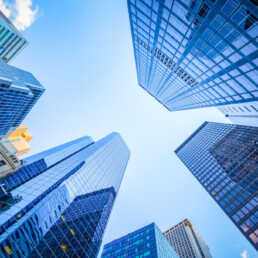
{"x": 17, "y": 141}
{"x": 147, "y": 241}
{"x": 223, "y": 158}
{"x": 187, "y": 241}
{"x": 11, "y": 41}
{"x": 242, "y": 114}
{"x": 19, "y": 91}
{"x": 60, "y": 200}
{"x": 192, "y": 54}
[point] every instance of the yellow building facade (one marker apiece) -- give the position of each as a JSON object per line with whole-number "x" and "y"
{"x": 17, "y": 141}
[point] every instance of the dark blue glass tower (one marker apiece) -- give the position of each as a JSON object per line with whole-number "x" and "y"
{"x": 19, "y": 91}
{"x": 145, "y": 242}
{"x": 224, "y": 159}
{"x": 192, "y": 54}
{"x": 59, "y": 202}
{"x": 87, "y": 215}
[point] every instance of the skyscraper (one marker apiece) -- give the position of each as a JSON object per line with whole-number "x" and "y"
{"x": 19, "y": 91}
{"x": 192, "y": 54}
{"x": 17, "y": 141}
{"x": 242, "y": 114}
{"x": 223, "y": 158}
{"x": 11, "y": 41}
{"x": 60, "y": 200}
{"x": 145, "y": 242}
{"x": 187, "y": 241}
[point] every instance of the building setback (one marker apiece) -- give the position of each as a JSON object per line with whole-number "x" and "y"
{"x": 223, "y": 158}
{"x": 187, "y": 241}
{"x": 145, "y": 242}
{"x": 59, "y": 201}
{"x": 192, "y": 54}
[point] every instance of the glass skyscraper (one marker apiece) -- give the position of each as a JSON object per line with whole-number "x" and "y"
{"x": 145, "y": 242}
{"x": 223, "y": 158}
{"x": 19, "y": 91}
{"x": 192, "y": 54}
{"x": 58, "y": 203}
{"x": 11, "y": 41}
{"x": 186, "y": 240}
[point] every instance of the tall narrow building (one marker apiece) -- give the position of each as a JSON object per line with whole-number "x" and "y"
{"x": 11, "y": 40}
{"x": 58, "y": 203}
{"x": 145, "y": 242}
{"x": 192, "y": 54}
{"x": 223, "y": 158}
{"x": 186, "y": 240}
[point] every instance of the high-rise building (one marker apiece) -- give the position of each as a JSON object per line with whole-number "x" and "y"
{"x": 186, "y": 240}
{"x": 223, "y": 158}
{"x": 145, "y": 242}
{"x": 17, "y": 141}
{"x": 59, "y": 201}
{"x": 19, "y": 91}
{"x": 242, "y": 114}
{"x": 192, "y": 54}
{"x": 11, "y": 41}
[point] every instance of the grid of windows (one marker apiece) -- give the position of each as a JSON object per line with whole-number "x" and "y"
{"x": 59, "y": 202}
{"x": 11, "y": 41}
{"x": 19, "y": 91}
{"x": 192, "y": 54}
{"x": 186, "y": 241}
{"x": 145, "y": 242}
{"x": 226, "y": 166}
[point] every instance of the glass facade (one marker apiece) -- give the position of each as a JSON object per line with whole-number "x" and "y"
{"x": 223, "y": 158}
{"x": 58, "y": 203}
{"x": 145, "y": 242}
{"x": 19, "y": 91}
{"x": 187, "y": 241}
{"x": 192, "y": 54}
{"x": 11, "y": 41}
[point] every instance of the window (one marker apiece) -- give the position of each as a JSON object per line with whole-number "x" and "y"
{"x": 2, "y": 163}
{"x": 204, "y": 11}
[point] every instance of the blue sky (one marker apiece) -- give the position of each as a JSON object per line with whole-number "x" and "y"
{"x": 81, "y": 51}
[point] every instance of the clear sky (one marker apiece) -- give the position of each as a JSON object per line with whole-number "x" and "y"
{"x": 81, "y": 51}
